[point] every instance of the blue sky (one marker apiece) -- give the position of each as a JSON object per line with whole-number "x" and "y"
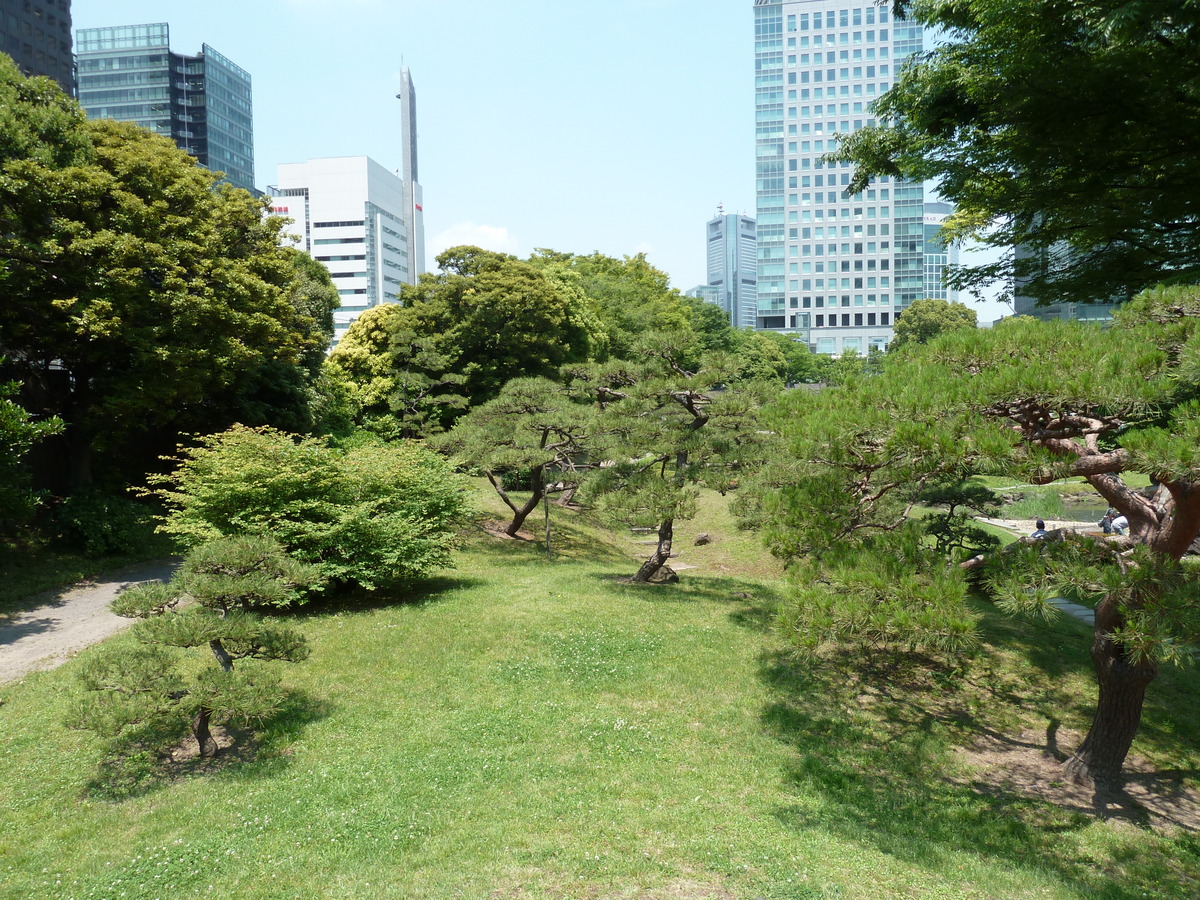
{"x": 615, "y": 126}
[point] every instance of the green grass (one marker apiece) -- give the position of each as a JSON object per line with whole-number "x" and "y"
{"x": 526, "y": 729}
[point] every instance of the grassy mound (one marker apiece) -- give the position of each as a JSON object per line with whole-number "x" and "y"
{"x": 534, "y": 729}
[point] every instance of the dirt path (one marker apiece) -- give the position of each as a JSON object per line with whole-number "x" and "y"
{"x": 68, "y": 619}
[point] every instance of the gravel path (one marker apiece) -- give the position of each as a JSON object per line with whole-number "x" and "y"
{"x": 69, "y": 619}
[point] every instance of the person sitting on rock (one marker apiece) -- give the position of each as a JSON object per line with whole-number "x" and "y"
{"x": 1040, "y": 534}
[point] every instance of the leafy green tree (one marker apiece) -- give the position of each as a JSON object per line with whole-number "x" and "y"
{"x": 1053, "y": 124}
{"x": 1036, "y": 401}
{"x": 369, "y": 516}
{"x": 630, "y": 297}
{"x": 531, "y": 429}
{"x": 664, "y": 431}
{"x": 458, "y": 336}
{"x": 926, "y": 319}
{"x": 139, "y": 293}
{"x": 213, "y": 602}
{"x": 18, "y": 434}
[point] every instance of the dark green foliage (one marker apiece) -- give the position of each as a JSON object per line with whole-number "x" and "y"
{"x": 99, "y": 523}
{"x": 954, "y": 531}
{"x": 1054, "y": 125}
{"x": 141, "y": 297}
{"x": 457, "y": 337}
{"x": 18, "y": 434}
{"x": 664, "y": 430}
{"x": 532, "y": 430}
{"x": 371, "y": 515}
{"x": 1035, "y": 401}
{"x": 209, "y": 603}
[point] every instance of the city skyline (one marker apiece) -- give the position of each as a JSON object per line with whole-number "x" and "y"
{"x": 540, "y": 126}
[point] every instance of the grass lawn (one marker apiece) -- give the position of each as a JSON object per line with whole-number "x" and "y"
{"x": 529, "y": 729}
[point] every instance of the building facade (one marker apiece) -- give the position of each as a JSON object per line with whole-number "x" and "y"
{"x": 37, "y": 34}
{"x": 414, "y": 214}
{"x": 348, "y": 213}
{"x": 1059, "y": 256}
{"x": 834, "y": 268}
{"x": 732, "y": 246}
{"x": 203, "y": 102}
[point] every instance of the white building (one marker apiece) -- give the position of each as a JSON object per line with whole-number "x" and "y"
{"x": 349, "y": 212}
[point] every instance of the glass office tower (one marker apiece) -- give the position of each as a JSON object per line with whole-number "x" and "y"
{"x": 732, "y": 262}
{"x": 202, "y": 102}
{"x": 834, "y": 268}
{"x": 37, "y": 35}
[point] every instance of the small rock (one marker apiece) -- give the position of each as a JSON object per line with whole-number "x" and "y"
{"x": 702, "y": 539}
{"x": 664, "y": 575}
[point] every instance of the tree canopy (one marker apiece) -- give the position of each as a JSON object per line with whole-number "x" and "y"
{"x": 926, "y": 319}
{"x": 1066, "y": 128}
{"x": 458, "y": 336}
{"x": 1035, "y": 401}
{"x": 138, "y": 290}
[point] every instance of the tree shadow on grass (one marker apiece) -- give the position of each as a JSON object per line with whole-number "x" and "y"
{"x": 158, "y": 754}
{"x": 414, "y": 593}
{"x": 871, "y": 745}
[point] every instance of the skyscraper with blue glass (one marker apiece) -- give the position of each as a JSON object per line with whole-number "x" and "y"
{"x": 832, "y": 267}
{"x": 202, "y": 102}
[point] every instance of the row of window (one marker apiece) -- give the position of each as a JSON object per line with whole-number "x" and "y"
{"x": 844, "y": 321}
{"x": 337, "y": 224}
{"x": 842, "y": 17}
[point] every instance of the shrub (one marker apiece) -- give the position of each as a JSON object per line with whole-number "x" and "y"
{"x": 100, "y": 524}
{"x": 371, "y": 515}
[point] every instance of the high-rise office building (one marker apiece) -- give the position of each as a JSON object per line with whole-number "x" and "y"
{"x": 414, "y": 215}
{"x": 202, "y": 102}
{"x": 832, "y": 267}
{"x": 37, "y": 34}
{"x": 1058, "y": 256}
{"x": 732, "y": 267}
{"x": 938, "y": 255}
{"x": 348, "y": 212}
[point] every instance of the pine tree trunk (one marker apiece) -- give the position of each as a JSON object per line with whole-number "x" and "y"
{"x": 204, "y": 738}
{"x": 520, "y": 514}
{"x": 1123, "y": 684}
{"x": 666, "y": 532}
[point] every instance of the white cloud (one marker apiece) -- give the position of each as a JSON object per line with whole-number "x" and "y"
{"x": 489, "y": 237}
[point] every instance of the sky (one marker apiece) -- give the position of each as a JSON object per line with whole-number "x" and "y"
{"x": 616, "y": 127}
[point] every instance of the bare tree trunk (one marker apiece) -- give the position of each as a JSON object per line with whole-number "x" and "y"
{"x": 1123, "y": 684}
{"x": 223, "y": 658}
{"x": 521, "y": 513}
{"x": 538, "y": 486}
{"x": 200, "y": 722}
{"x": 666, "y": 532}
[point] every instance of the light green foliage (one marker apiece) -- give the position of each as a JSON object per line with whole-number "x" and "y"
{"x": 1048, "y": 121}
{"x": 368, "y": 516}
{"x": 134, "y": 694}
{"x": 139, "y": 293}
{"x": 458, "y": 336}
{"x": 926, "y": 319}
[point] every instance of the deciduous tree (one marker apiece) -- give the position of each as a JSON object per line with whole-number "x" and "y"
{"x": 1053, "y": 124}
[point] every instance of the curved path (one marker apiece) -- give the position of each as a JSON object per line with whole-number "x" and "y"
{"x": 68, "y": 619}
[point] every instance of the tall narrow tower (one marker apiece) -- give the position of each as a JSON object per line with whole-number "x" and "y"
{"x": 414, "y": 216}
